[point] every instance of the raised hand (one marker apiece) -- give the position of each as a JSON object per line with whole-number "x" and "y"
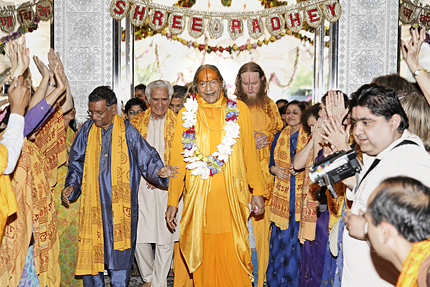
{"x": 411, "y": 49}
{"x": 335, "y": 105}
{"x": 18, "y": 95}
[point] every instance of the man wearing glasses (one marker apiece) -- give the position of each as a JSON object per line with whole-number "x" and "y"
{"x": 106, "y": 162}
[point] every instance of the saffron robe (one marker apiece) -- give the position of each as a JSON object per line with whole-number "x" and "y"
{"x": 223, "y": 207}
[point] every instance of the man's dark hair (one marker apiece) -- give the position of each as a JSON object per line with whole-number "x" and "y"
{"x": 103, "y": 93}
{"x": 179, "y": 92}
{"x": 310, "y": 112}
{"x": 282, "y": 101}
{"x": 381, "y": 102}
{"x": 140, "y": 87}
{"x": 134, "y": 102}
{"x": 404, "y": 203}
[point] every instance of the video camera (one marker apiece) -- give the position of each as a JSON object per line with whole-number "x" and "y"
{"x": 334, "y": 168}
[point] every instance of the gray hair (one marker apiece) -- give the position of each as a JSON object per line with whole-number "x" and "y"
{"x": 157, "y": 85}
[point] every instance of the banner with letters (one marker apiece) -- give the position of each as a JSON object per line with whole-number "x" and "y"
{"x": 274, "y": 20}
{"x": 413, "y": 11}
{"x": 25, "y": 14}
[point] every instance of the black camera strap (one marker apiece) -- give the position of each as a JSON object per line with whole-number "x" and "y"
{"x": 377, "y": 160}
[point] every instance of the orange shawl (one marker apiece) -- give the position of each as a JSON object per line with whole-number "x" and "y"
{"x": 272, "y": 123}
{"x": 141, "y": 121}
{"x": 408, "y": 276}
{"x": 281, "y": 192}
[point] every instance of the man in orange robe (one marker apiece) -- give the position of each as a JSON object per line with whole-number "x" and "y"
{"x": 251, "y": 88}
{"x": 213, "y": 234}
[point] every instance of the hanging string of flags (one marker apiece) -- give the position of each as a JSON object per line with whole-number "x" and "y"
{"x": 414, "y": 11}
{"x": 25, "y": 14}
{"x": 157, "y": 17}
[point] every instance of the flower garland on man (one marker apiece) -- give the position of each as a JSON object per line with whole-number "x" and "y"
{"x": 215, "y": 149}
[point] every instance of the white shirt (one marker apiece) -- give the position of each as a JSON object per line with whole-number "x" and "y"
{"x": 13, "y": 139}
{"x": 361, "y": 266}
{"x": 151, "y": 226}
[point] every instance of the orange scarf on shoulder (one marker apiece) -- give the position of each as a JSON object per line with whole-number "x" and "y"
{"x": 408, "y": 276}
{"x": 281, "y": 191}
{"x": 141, "y": 122}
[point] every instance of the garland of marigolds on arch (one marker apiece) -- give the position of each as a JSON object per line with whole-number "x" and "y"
{"x": 144, "y": 32}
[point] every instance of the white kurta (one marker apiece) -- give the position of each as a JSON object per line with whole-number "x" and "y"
{"x": 151, "y": 226}
{"x": 361, "y": 266}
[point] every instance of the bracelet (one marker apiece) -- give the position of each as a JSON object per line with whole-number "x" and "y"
{"x": 52, "y": 85}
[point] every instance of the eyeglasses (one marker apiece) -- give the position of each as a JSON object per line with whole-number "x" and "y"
{"x": 212, "y": 83}
{"x": 96, "y": 113}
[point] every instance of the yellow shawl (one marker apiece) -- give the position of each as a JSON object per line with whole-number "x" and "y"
{"x": 193, "y": 216}
{"x": 8, "y": 205}
{"x": 408, "y": 276}
{"x": 91, "y": 246}
{"x": 51, "y": 140}
{"x": 281, "y": 191}
{"x": 309, "y": 205}
{"x": 36, "y": 210}
{"x": 141, "y": 121}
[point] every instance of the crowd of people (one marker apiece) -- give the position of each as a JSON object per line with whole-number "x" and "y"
{"x": 176, "y": 180}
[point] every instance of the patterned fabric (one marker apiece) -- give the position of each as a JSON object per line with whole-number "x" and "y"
{"x": 284, "y": 257}
{"x": 29, "y": 276}
{"x": 51, "y": 140}
{"x": 67, "y": 226}
{"x": 281, "y": 192}
{"x": 91, "y": 245}
{"x": 8, "y": 205}
{"x": 141, "y": 122}
{"x": 411, "y": 266}
{"x": 309, "y": 205}
{"x": 36, "y": 211}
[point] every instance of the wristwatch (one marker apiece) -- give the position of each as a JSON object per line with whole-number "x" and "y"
{"x": 417, "y": 72}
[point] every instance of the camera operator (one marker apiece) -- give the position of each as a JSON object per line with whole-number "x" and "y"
{"x": 389, "y": 149}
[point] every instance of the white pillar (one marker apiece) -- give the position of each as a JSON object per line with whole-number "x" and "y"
{"x": 368, "y": 48}
{"x": 83, "y": 37}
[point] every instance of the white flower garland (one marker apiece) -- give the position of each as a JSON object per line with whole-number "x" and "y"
{"x": 198, "y": 163}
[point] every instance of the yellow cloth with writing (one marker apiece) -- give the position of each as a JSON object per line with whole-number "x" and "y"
{"x": 91, "y": 246}
{"x": 51, "y": 140}
{"x": 281, "y": 191}
{"x": 202, "y": 212}
{"x": 141, "y": 122}
{"x": 309, "y": 205}
{"x": 36, "y": 214}
{"x": 8, "y": 205}
{"x": 408, "y": 276}
{"x": 267, "y": 120}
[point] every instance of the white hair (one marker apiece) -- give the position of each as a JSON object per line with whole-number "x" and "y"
{"x": 157, "y": 85}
